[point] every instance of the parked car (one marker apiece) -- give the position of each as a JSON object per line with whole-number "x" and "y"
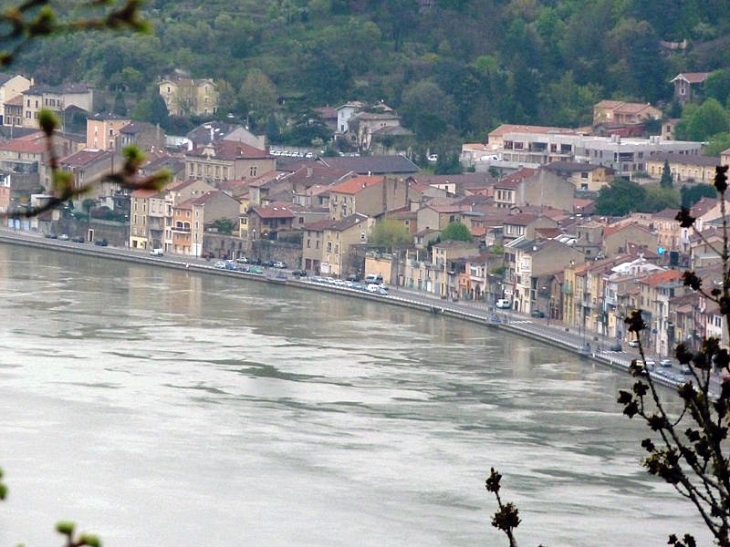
{"x": 650, "y": 364}
{"x": 221, "y": 265}
{"x": 101, "y": 242}
{"x": 299, "y": 273}
{"x": 63, "y": 237}
{"x": 157, "y": 252}
{"x": 633, "y": 343}
{"x": 504, "y": 303}
{"x": 616, "y": 346}
{"x": 280, "y": 265}
{"x": 666, "y": 362}
{"x": 50, "y": 235}
{"x": 77, "y": 239}
{"x": 538, "y": 314}
{"x": 377, "y": 279}
{"x": 242, "y": 260}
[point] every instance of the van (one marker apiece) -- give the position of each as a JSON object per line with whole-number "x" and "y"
{"x": 503, "y": 303}
{"x": 157, "y": 252}
{"x": 375, "y": 279}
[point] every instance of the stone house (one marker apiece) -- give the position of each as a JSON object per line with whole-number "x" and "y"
{"x": 227, "y": 160}
{"x": 185, "y": 96}
{"x": 102, "y": 131}
{"x": 367, "y": 195}
{"x": 89, "y": 167}
{"x": 583, "y": 176}
{"x": 524, "y": 225}
{"x": 684, "y": 169}
{"x": 145, "y": 136}
{"x": 437, "y": 214}
{"x": 545, "y": 188}
{"x": 337, "y": 240}
{"x": 191, "y": 218}
{"x": 506, "y": 190}
{"x": 526, "y": 261}
{"x": 616, "y": 238}
{"x": 688, "y": 86}
{"x": 624, "y": 113}
{"x": 55, "y": 98}
{"x": 312, "y": 239}
{"x": 11, "y": 87}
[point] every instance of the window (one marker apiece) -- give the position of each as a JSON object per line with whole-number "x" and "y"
{"x": 253, "y": 170}
{"x": 329, "y": 246}
{"x": 309, "y": 243}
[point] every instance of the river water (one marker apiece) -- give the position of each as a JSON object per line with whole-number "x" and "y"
{"x": 170, "y": 408}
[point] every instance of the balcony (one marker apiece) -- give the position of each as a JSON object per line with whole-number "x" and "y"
{"x": 180, "y": 229}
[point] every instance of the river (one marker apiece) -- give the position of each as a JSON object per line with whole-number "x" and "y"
{"x": 170, "y": 408}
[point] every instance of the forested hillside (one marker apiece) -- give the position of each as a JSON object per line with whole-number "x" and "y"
{"x": 450, "y": 67}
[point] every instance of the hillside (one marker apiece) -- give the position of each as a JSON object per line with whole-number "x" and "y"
{"x": 450, "y": 67}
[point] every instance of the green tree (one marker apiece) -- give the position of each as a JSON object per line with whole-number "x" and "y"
{"x": 427, "y": 110}
{"x": 667, "y": 181}
{"x": 717, "y": 144}
{"x": 620, "y": 198}
{"x": 259, "y": 95}
{"x": 659, "y": 198}
{"x": 717, "y": 86}
{"x": 390, "y": 234}
{"x": 709, "y": 119}
{"x": 120, "y": 106}
{"x": 456, "y": 231}
{"x": 692, "y": 194}
{"x": 224, "y": 225}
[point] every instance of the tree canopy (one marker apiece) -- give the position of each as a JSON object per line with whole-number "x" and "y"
{"x": 620, "y": 198}
{"x": 390, "y": 234}
{"x": 457, "y": 231}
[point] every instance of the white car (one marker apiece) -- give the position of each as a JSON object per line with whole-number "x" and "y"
{"x": 504, "y": 303}
{"x": 157, "y": 252}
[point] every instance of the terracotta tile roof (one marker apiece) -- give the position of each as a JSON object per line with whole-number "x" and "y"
{"x": 319, "y": 225}
{"x": 85, "y": 157}
{"x": 144, "y": 193}
{"x": 660, "y": 278}
{"x": 703, "y": 206}
{"x": 347, "y": 222}
{"x": 512, "y": 180}
{"x": 35, "y": 143}
{"x": 522, "y": 219}
{"x": 275, "y": 210}
{"x": 231, "y": 150}
{"x": 356, "y": 184}
{"x": 692, "y": 77}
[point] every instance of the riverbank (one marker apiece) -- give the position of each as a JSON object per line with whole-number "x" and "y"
{"x": 586, "y": 345}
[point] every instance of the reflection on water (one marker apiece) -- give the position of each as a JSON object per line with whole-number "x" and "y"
{"x": 199, "y": 410}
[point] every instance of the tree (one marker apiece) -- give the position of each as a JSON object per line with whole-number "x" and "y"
{"x": 224, "y": 225}
{"x": 259, "y": 95}
{"x": 701, "y": 123}
{"x": 692, "y": 194}
{"x": 390, "y": 234}
{"x": 667, "y": 181}
{"x": 620, "y": 198}
{"x": 120, "y": 107}
{"x": 658, "y": 199}
{"x": 456, "y": 231}
{"x": 427, "y": 110}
